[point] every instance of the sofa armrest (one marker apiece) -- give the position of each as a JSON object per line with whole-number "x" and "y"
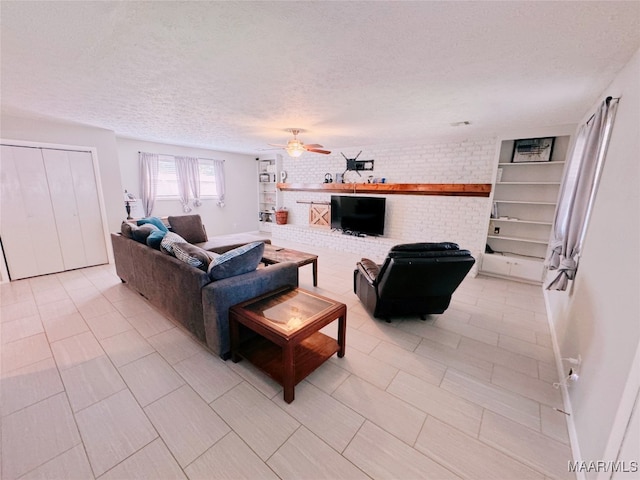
{"x": 369, "y": 270}
{"x": 219, "y": 296}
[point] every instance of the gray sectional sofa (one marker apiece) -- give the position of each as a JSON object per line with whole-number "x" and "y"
{"x": 187, "y": 294}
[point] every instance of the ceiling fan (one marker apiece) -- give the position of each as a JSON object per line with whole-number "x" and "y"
{"x": 295, "y": 147}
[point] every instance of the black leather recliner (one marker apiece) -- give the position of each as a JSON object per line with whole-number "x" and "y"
{"x": 415, "y": 279}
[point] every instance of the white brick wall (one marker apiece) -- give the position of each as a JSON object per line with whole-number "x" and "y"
{"x": 409, "y": 218}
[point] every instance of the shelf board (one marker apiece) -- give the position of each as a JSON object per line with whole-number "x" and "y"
{"x": 527, "y": 183}
{"x": 446, "y": 189}
{"x": 518, "y": 239}
{"x": 530, "y": 163}
{"x": 513, "y": 220}
{"x": 522, "y": 202}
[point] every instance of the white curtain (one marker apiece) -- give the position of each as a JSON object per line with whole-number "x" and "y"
{"x": 148, "y": 173}
{"x": 218, "y": 166}
{"x": 184, "y": 173}
{"x": 194, "y": 179}
{"x": 579, "y": 187}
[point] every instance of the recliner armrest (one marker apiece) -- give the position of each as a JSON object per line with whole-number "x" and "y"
{"x": 369, "y": 269}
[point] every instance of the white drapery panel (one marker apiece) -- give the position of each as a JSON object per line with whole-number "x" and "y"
{"x": 218, "y": 166}
{"x": 188, "y": 176}
{"x": 579, "y": 187}
{"x": 148, "y": 173}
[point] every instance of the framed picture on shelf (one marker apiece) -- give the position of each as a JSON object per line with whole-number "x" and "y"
{"x": 532, "y": 150}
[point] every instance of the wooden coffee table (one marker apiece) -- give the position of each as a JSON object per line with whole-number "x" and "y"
{"x": 273, "y": 255}
{"x": 288, "y": 345}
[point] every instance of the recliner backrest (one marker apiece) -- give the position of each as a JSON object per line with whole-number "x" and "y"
{"x": 410, "y": 274}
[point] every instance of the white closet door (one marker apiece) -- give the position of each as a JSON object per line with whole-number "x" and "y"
{"x": 88, "y": 207}
{"x": 63, "y": 199}
{"x": 27, "y": 226}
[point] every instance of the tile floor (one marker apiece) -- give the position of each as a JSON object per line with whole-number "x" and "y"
{"x": 97, "y": 384}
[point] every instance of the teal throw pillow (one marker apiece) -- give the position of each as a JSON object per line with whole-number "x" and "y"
{"x": 237, "y": 261}
{"x": 154, "y": 221}
{"x": 155, "y": 238}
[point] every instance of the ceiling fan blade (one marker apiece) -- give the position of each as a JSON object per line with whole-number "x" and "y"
{"x": 317, "y": 150}
{"x": 312, "y": 145}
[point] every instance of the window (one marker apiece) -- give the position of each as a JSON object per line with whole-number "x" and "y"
{"x": 168, "y": 181}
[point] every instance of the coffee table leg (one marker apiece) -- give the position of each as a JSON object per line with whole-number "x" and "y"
{"x": 288, "y": 374}
{"x": 314, "y": 265}
{"x": 234, "y": 338}
{"x": 342, "y": 331}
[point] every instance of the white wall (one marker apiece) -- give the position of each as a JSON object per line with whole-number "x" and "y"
{"x": 409, "y": 218}
{"x": 599, "y": 317}
{"x": 241, "y": 211}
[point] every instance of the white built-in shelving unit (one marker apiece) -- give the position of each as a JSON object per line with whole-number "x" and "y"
{"x": 524, "y": 200}
{"x": 268, "y": 176}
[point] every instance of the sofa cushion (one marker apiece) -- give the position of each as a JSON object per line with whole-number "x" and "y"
{"x": 169, "y": 240}
{"x": 126, "y": 229}
{"x": 192, "y": 255}
{"x": 154, "y": 221}
{"x": 155, "y": 238}
{"x": 237, "y": 261}
{"x": 425, "y": 247}
{"x": 141, "y": 233}
{"x": 188, "y": 227}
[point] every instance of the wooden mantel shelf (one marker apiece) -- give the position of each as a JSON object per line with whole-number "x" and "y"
{"x": 447, "y": 189}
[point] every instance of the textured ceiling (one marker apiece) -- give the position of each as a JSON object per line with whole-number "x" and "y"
{"x": 235, "y": 75}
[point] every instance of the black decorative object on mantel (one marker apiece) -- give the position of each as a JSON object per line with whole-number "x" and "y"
{"x": 129, "y": 198}
{"x": 357, "y": 165}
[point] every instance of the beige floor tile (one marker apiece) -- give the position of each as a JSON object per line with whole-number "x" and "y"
{"x": 540, "y": 452}
{"x": 72, "y": 464}
{"x": 126, "y": 347}
{"x": 51, "y": 295}
{"x": 444, "y": 443}
{"x": 554, "y": 424}
{"x": 256, "y": 378}
{"x": 28, "y": 385}
{"x": 526, "y": 386}
{"x": 357, "y": 339}
{"x": 150, "y": 378}
{"x": 384, "y": 409}
{"x": 467, "y": 330}
{"x": 327, "y": 418}
{"x": 18, "y": 310}
{"x": 366, "y": 367}
{"x": 21, "y": 328}
{"x": 152, "y": 462}
{"x": 15, "y": 292}
{"x": 23, "y": 352}
{"x": 391, "y": 334}
{"x": 421, "y": 367}
{"x": 382, "y": 456}
{"x": 44, "y": 282}
{"x": 544, "y": 339}
{"x": 149, "y": 322}
{"x": 133, "y": 307}
{"x": 259, "y": 422}
{"x": 499, "y": 356}
{"x": 84, "y": 294}
{"x": 498, "y": 325}
{"x": 437, "y": 402}
{"x": 91, "y": 381}
{"x": 64, "y": 326}
{"x": 455, "y": 359}
{"x": 113, "y": 429}
{"x": 188, "y": 426}
{"x": 305, "y": 453}
{"x": 547, "y": 372}
{"x": 544, "y": 354}
{"x": 94, "y": 307}
{"x": 208, "y": 375}
{"x": 57, "y": 309}
{"x": 37, "y": 434}
{"x": 174, "y": 345}
{"x": 427, "y": 330}
{"x": 231, "y": 459}
{"x": 75, "y": 350}
{"x": 328, "y": 377}
{"x": 108, "y": 324}
{"x": 494, "y": 398}
{"x": 116, "y": 292}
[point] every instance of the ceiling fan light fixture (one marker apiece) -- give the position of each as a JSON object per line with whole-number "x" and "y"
{"x": 294, "y": 148}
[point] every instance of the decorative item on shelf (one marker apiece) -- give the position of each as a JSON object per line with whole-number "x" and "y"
{"x": 265, "y": 177}
{"x": 499, "y": 175}
{"x": 283, "y": 176}
{"x": 129, "y": 198}
{"x": 282, "y": 215}
{"x": 339, "y": 178}
{"x": 328, "y": 178}
{"x": 532, "y": 150}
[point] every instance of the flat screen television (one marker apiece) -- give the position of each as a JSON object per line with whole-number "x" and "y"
{"x": 358, "y": 215}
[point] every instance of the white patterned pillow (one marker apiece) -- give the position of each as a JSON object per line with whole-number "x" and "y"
{"x": 169, "y": 240}
{"x": 192, "y": 255}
